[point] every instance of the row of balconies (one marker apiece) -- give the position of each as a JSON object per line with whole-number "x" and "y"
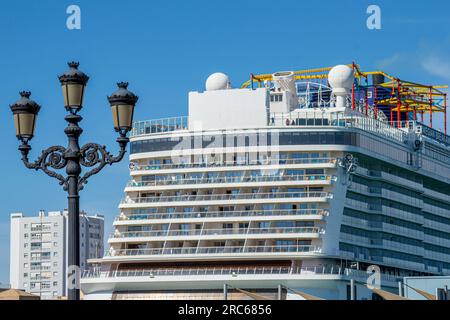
{"x": 384, "y": 210}
{"x": 39, "y": 268}
{"x": 387, "y": 194}
{"x": 440, "y": 211}
{"x": 431, "y": 224}
{"x": 404, "y": 263}
{"x": 123, "y": 218}
{"x": 437, "y": 195}
{"x": 238, "y": 196}
{"x": 269, "y": 161}
{"x": 222, "y": 180}
{"x": 382, "y": 244}
{"x": 40, "y": 258}
{"x": 433, "y": 255}
{"x": 234, "y": 250}
{"x": 391, "y": 178}
{"x": 309, "y": 231}
{"x": 382, "y": 226}
{"x": 443, "y": 242}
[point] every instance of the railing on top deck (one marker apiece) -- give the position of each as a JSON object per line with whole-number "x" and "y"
{"x": 159, "y": 125}
{"x": 337, "y": 119}
{"x": 303, "y": 118}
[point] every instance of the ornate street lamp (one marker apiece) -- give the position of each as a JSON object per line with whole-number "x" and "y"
{"x": 72, "y": 158}
{"x": 25, "y": 113}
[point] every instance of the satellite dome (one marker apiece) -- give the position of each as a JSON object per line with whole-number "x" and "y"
{"x": 217, "y": 81}
{"x": 341, "y": 77}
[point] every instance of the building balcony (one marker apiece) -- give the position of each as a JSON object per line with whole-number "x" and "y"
{"x": 40, "y": 258}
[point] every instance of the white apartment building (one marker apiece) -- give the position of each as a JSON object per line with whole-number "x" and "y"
{"x": 38, "y": 250}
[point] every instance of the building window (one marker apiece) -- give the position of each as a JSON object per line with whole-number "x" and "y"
{"x": 55, "y": 283}
{"x": 25, "y": 265}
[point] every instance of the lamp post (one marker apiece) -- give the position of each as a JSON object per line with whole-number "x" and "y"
{"x": 92, "y": 156}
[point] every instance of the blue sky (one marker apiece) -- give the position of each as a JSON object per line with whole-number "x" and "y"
{"x": 167, "y": 48}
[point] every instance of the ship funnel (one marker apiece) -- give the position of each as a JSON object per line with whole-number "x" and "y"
{"x": 284, "y": 80}
{"x": 284, "y": 83}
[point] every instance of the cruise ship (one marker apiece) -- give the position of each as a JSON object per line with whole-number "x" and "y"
{"x": 299, "y": 185}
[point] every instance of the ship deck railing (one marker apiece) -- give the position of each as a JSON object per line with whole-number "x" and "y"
{"x": 212, "y": 197}
{"x": 228, "y": 250}
{"x": 309, "y": 118}
{"x": 336, "y": 119}
{"x": 221, "y": 214}
{"x": 236, "y": 271}
{"x": 221, "y": 231}
{"x": 260, "y": 162}
{"x": 159, "y": 126}
{"x": 235, "y": 179}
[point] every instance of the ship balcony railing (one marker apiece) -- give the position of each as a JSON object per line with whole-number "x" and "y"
{"x": 238, "y": 196}
{"x": 329, "y": 270}
{"x": 269, "y": 161}
{"x": 159, "y": 126}
{"x": 223, "y": 231}
{"x": 215, "y": 250}
{"x": 336, "y": 119}
{"x": 222, "y": 214}
{"x": 242, "y": 179}
{"x": 427, "y": 131}
{"x": 214, "y": 271}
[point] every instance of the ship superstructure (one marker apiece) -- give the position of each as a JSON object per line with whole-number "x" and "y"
{"x": 295, "y": 182}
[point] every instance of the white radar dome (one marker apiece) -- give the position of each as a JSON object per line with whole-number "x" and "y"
{"x": 341, "y": 77}
{"x": 217, "y": 81}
